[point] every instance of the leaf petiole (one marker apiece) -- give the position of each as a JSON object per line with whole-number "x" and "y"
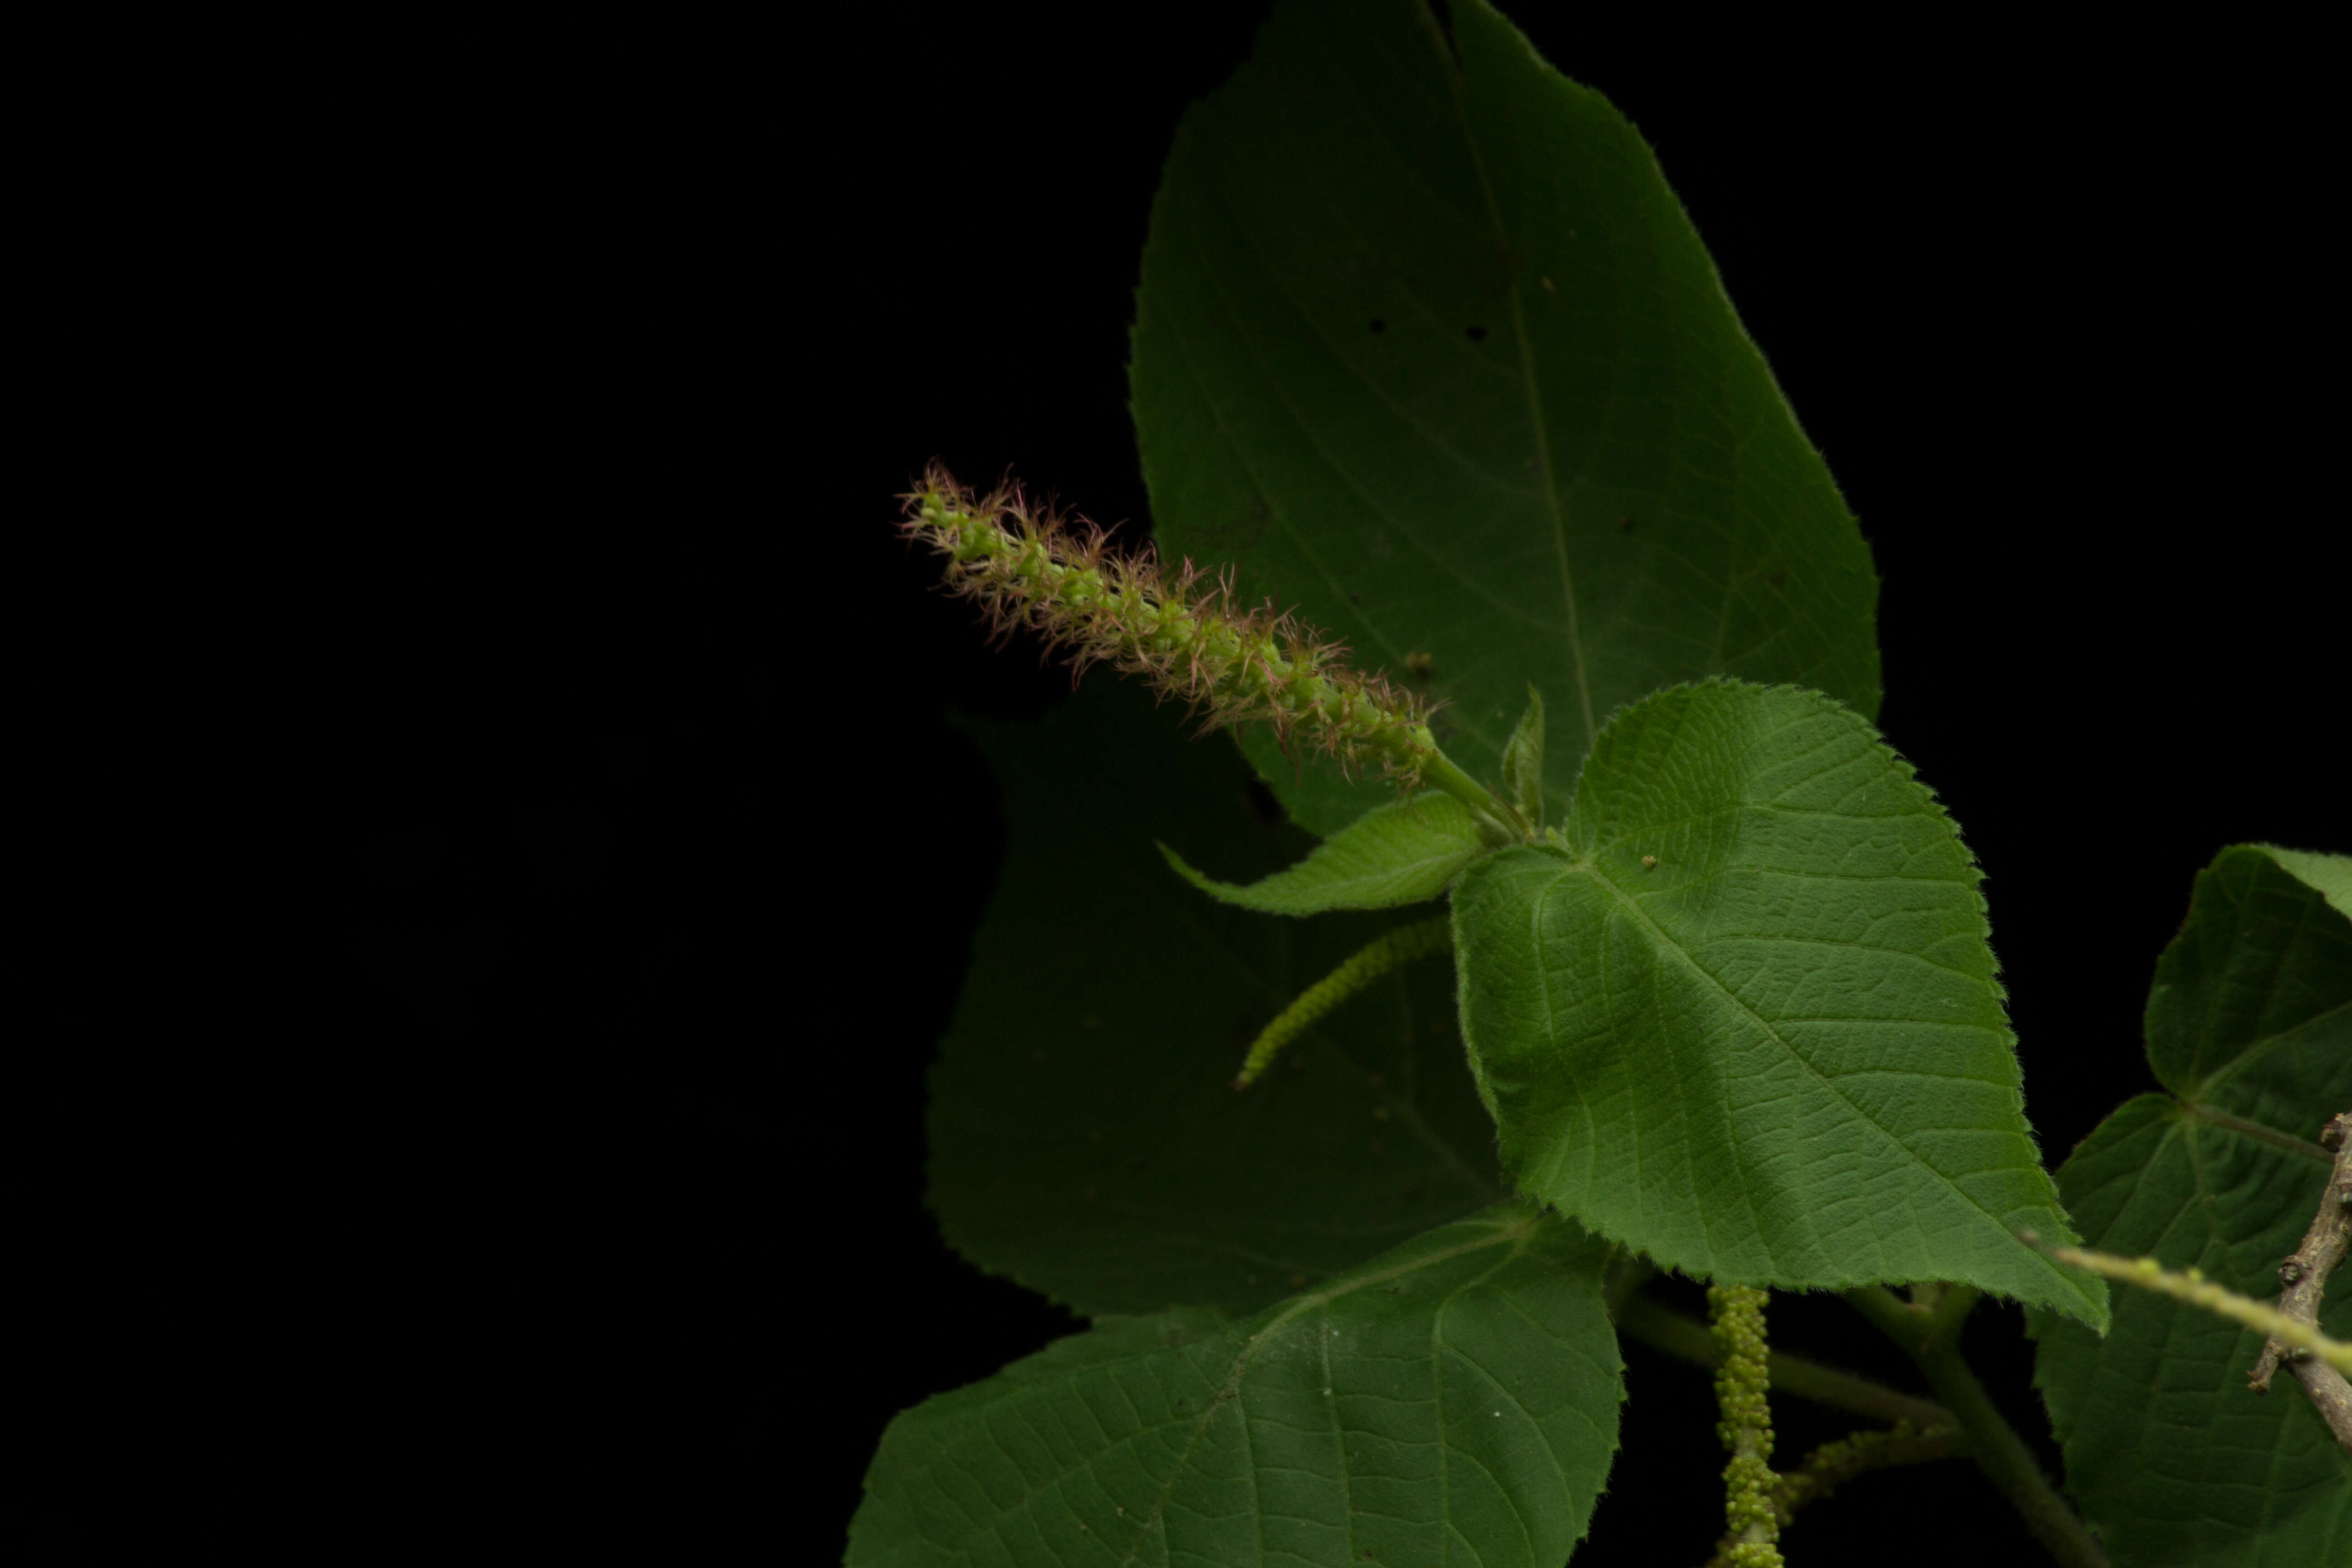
{"x": 1498, "y": 819}
{"x": 1663, "y": 1329}
{"x": 1994, "y": 1443}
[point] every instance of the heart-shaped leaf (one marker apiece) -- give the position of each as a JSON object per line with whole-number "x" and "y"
{"x": 1453, "y": 1400}
{"x": 1084, "y": 1136}
{"x": 1741, "y": 1014}
{"x": 2250, "y": 1025}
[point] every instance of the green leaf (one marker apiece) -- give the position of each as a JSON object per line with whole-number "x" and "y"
{"x": 1453, "y": 1400}
{"x": 2250, "y": 1025}
{"x": 1427, "y": 348}
{"x": 1741, "y": 1014}
{"x": 1407, "y": 852}
{"x": 1085, "y": 1138}
{"x": 1523, "y": 761}
{"x": 2248, "y": 1010}
{"x": 2330, "y": 874}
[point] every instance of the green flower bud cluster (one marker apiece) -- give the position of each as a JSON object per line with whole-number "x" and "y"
{"x": 1750, "y": 1505}
{"x": 1832, "y": 1463}
{"x": 1181, "y": 630}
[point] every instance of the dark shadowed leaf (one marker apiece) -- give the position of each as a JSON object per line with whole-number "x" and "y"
{"x": 2249, "y": 1026}
{"x": 1454, "y": 1401}
{"x": 1084, "y": 1136}
{"x": 1426, "y": 345}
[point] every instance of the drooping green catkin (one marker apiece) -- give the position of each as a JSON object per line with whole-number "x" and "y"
{"x": 1181, "y": 630}
{"x": 1832, "y": 1464}
{"x": 1750, "y": 1508}
{"x": 2192, "y": 1286}
{"x": 1378, "y": 957}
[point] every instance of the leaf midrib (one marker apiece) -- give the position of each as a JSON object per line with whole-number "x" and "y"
{"x": 1669, "y": 943}
{"x": 1455, "y": 80}
{"x": 2260, "y": 1132}
{"x": 1281, "y": 518}
{"x": 1514, "y": 1235}
{"x": 2256, "y": 1049}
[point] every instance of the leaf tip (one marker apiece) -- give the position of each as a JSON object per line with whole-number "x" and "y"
{"x": 1178, "y": 864}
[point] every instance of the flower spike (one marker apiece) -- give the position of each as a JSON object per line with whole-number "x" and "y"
{"x": 1181, "y": 630}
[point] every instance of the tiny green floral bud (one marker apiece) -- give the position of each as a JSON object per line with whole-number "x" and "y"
{"x": 1750, "y": 1501}
{"x": 1425, "y": 939}
{"x": 1181, "y": 630}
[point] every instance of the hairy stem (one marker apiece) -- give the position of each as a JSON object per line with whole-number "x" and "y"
{"x": 1496, "y": 819}
{"x": 1663, "y": 1329}
{"x": 1994, "y": 1443}
{"x": 2305, "y": 1275}
{"x": 2298, "y": 1337}
{"x": 1953, "y": 1303}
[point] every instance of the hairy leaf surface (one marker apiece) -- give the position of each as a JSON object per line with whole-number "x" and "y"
{"x": 1085, "y": 1138}
{"x": 1426, "y": 346}
{"x": 1406, "y": 852}
{"x": 2249, "y": 1026}
{"x": 1452, "y": 1401}
{"x": 1743, "y": 1016}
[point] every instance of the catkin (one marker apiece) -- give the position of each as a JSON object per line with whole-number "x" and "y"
{"x": 1181, "y": 630}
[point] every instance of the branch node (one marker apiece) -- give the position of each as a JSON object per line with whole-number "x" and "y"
{"x": 2305, "y": 1277}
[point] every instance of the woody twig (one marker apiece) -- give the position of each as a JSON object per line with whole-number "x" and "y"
{"x": 2305, "y": 1277}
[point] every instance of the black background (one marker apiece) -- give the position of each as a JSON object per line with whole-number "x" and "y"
{"x": 497, "y": 861}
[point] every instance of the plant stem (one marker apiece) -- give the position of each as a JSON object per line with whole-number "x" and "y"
{"x": 1686, "y": 1338}
{"x": 1627, "y": 1274}
{"x": 1493, "y": 814}
{"x": 1997, "y": 1448}
{"x": 1952, "y": 1307}
{"x": 2306, "y": 1278}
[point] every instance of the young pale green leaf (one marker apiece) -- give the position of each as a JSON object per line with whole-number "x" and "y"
{"x": 1523, "y": 757}
{"x": 1084, "y": 1136}
{"x": 1426, "y": 347}
{"x": 1406, "y": 852}
{"x": 2250, "y": 1025}
{"x": 1455, "y": 1400}
{"x": 1745, "y": 1019}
